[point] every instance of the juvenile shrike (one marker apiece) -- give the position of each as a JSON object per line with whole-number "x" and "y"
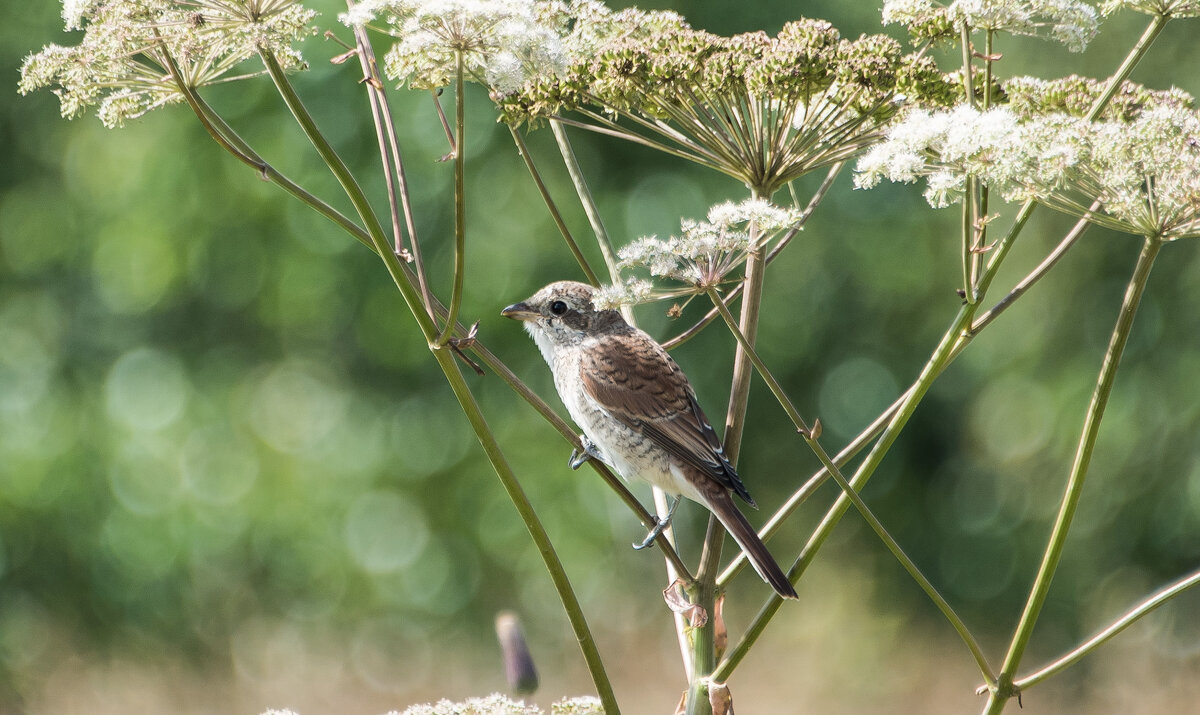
{"x": 638, "y": 411}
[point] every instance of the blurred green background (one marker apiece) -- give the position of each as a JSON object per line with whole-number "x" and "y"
{"x": 232, "y": 478}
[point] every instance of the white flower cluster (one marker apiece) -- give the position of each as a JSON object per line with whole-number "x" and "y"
{"x": 705, "y": 252}
{"x": 497, "y": 704}
{"x": 1070, "y": 22}
{"x": 502, "y": 42}
{"x": 1165, "y": 8}
{"x": 630, "y": 292}
{"x": 936, "y": 146}
{"x": 1144, "y": 172}
{"x": 122, "y": 64}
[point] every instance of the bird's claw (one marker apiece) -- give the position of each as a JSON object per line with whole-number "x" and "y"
{"x": 578, "y": 458}
{"x": 659, "y": 526}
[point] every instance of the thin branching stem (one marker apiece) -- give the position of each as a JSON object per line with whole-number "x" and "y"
{"x": 782, "y": 243}
{"x": 1083, "y": 456}
{"x": 929, "y": 373}
{"x": 704, "y": 593}
{"x": 876, "y": 525}
{"x": 375, "y": 99}
{"x": 1157, "y": 23}
{"x": 231, "y": 142}
{"x": 399, "y": 197}
{"x": 445, "y": 359}
{"x": 436, "y": 95}
{"x": 460, "y": 201}
{"x": 586, "y": 200}
{"x": 1162, "y": 596}
{"x": 968, "y": 77}
{"x": 555, "y": 214}
{"x": 1034, "y": 276}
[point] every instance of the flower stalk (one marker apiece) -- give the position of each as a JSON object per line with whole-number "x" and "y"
{"x": 458, "y": 385}
{"x": 877, "y": 526}
{"x": 460, "y": 203}
{"x": 1005, "y": 687}
{"x": 1159, "y": 598}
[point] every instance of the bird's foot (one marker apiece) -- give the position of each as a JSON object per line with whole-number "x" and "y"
{"x": 659, "y": 526}
{"x": 589, "y": 452}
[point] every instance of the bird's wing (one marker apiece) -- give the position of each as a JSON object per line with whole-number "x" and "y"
{"x": 635, "y": 381}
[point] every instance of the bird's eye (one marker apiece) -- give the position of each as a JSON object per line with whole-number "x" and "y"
{"x": 558, "y": 307}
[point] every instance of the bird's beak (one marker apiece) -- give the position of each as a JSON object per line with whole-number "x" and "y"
{"x": 519, "y": 311}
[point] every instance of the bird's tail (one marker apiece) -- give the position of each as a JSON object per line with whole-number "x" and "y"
{"x": 721, "y": 504}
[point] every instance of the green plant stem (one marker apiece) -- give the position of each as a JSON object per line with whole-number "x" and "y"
{"x": 929, "y": 373}
{"x": 798, "y": 497}
{"x": 952, "y": 344}
{"x": 458, "y": 385}
{"x": 967, "y": 68}
{"x": 784, "y": 240}
{"x": 968, "y": 210}
{"x": 1029, "y": 280}
{"x": 885, "y": 417}
{"x": 340, "y": 171}
{"x": 968, "y": 206}
{"x": 1083, "y": 456}
{"x": 229, "y": 140}
{"x": 704, "y": 594}
{"x": 1157, "y": 23}
{"x": 399, "y": 198}
{"x": 460, "y": 202}
{"x": 980, "y": 195}
{"x": 739, "y": 395}
{"x": 876, "y": 525}
{"x": 988, "y": 59}
{"x": 586, "y": 199}
{"x": 1146, "y": 606}
{"x": 523, "y": 150}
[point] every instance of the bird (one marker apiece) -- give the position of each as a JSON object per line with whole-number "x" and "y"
{"x": 638, "y": 411}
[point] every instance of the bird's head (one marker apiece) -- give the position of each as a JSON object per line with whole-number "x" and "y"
{"x": 563, "y": 313}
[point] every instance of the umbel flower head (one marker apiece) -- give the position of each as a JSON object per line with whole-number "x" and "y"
{"x": 1070, "y": 22}
{"x": 501, "y": 42}
{"x": 122, "y": 65}
{"x": 1140, "y": 163}
{"x": 761, "y": 109}
{"x": 703, "y": 255}
{"x": 1164, "y": 8}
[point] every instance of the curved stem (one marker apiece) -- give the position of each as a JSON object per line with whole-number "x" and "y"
{"x": 340, "y": 171}
{"x": 877, "y": 526}
{"x": 816, "y": 480}
{"x": 967, "y": 68}
{"x": 523, "y": 150}
{"x": 1083, "y": 457}
{"x": 954, "y": 342}
{"x": 784, "y": 240}
{"x": 533, "y": 524}
{"x": 462, "y": 392}
{"x": 739, "y": 396}
{"x": 933, "y": 368}
{"x": 1159, "y": 598}
{"x": 229, "y": 140}
{"x": 460, "y": 203}
{"x": 1157, "y": 23}
{"x": 399, "y": 197}
{"x": 586, "y": 199}
{"x": 1034, "y": 276}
